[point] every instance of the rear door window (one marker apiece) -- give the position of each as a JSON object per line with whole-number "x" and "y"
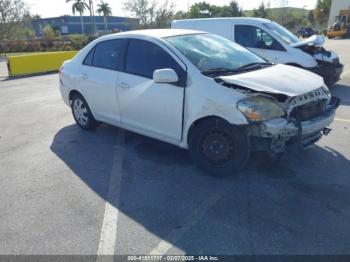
{"x": 110, "y": 54}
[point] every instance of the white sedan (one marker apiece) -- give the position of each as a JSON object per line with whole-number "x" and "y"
{"x": 198, "y": 91}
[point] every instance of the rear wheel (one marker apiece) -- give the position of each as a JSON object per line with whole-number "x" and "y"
{"x": 82, "y": 114}
{"x": 218, "y": 148}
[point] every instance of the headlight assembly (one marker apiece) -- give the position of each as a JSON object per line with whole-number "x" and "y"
{"x": 258, "y": 109}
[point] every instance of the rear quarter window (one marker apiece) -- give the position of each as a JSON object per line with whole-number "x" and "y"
{"x": 88, "y": 59}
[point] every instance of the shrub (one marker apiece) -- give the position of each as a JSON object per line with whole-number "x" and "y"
{"x": 78, "y": 41}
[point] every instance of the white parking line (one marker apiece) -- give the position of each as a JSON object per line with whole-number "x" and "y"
{"x": 109, "y": 229}
{"x": 342, "y": 120}
{"x": 164, "y": 246}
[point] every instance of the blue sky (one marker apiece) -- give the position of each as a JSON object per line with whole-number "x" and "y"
{"x": 50, "y": 8}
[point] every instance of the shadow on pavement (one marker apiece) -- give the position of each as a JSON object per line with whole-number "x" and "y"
{"x": 299, "y": 206}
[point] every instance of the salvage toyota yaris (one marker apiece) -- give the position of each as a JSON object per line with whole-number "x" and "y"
{"x": 198, "y": 91}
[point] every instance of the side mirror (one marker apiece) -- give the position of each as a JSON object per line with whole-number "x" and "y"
{"x": 166, "y": 75}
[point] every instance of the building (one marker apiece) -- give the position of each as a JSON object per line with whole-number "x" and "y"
{"x": 72, "y": 24}
{"x": 337, "y": 5}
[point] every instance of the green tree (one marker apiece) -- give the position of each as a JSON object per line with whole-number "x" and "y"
{"x": 150, "y": 14}
{"x": 24, "y": 33}
{"x": 164, "y": 14}
{"x": 181, "y": 15}
{"x": 200, "y": 10}
{"x": 79, "y": 6}
{"x": 12, "y": 13}
{"x": 322, "y": 11}
{"x": 311, "y": 17}
{"x": 143, "y": 10}
{"x": 104, "y": 9}
{"x": 261, "y": 11}
{"x": 49, "y": 33}
{"x": 234, "y": 9}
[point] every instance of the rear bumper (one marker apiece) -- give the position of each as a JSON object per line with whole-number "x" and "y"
{"x": 329, "y": 71}
{"x": 278, "y": 134}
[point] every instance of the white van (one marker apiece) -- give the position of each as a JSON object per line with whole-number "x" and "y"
{"x": 272, "y": 42}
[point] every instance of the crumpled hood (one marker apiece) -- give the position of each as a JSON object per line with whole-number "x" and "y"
{"x": 277, "y": 79}
{"x": 315, "y": 40}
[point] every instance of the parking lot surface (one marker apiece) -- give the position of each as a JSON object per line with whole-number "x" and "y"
{"x": 68, "y": 191}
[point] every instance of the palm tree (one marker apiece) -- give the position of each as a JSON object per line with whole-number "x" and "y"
{"x": 106, "y": 10}
{"x": 79, "y": 6}
{"x": 92, "y": 16}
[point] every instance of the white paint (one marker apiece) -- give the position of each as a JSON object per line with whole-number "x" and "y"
{"x": 336, "y": 6}
{"x": 109, "y": 229}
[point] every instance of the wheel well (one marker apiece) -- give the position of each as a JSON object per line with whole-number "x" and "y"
{"x": 72, "y": 94}
{"x": 200, "y": 120}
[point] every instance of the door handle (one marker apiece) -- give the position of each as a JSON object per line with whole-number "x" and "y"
{"x": 124, "y": 85}
{"x": 84, "y": 76}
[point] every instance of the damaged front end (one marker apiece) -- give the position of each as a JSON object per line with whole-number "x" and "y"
{"x": 301, "y": 121}
{"x": 328, "y": 64}
{"x": 303, "y": 126}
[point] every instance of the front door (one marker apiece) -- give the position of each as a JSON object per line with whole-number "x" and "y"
{"x": 151, "y": 108}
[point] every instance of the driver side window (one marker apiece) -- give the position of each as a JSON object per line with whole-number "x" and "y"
{"x": 144, "y": 57}
{"x": 255, "y": 37}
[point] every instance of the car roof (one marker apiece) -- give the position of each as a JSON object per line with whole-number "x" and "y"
{"x": 155, "y": 33}
{"x": 234, "y": 19}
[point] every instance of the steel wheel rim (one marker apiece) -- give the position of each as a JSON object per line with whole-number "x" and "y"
{"x": 80, "y": 112}
{"x": 217, "y": 147}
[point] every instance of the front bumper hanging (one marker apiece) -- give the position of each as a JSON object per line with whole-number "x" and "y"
{"x": 274, "y": 135}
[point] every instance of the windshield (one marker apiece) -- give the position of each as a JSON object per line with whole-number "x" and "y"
{"x": 287, "y": 36}
{"x": 209, "y": 52}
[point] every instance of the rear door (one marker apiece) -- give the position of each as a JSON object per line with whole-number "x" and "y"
{"x": 154, "y": 109}
{"x": 99, "y": 77}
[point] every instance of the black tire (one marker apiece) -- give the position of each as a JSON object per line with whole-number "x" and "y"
{"x": 82, "y": 113}
{"x": 218, "y": 148}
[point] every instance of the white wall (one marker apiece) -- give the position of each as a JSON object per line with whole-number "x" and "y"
{"x": 337, "y": 5}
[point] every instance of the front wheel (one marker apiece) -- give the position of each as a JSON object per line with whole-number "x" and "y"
{"x": 82, "y": 114}
{"x": 218, "y": 148}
